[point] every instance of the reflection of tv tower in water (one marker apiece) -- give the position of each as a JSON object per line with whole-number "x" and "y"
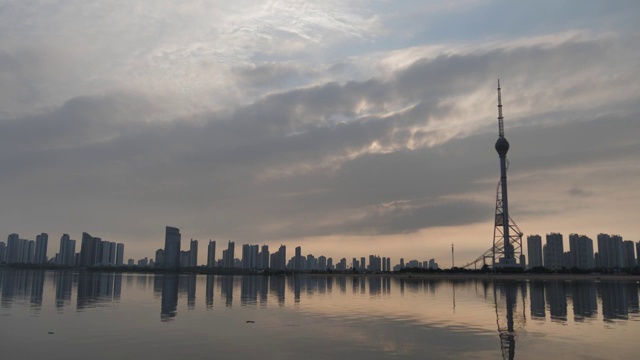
{"x": 507, "y": 237}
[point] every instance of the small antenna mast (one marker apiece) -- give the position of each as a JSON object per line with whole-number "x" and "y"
{"x": 500, "y": 118}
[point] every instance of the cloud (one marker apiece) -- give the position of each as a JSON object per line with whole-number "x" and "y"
{"x": 578, "y": 192}
{"x": 310, "y": 151}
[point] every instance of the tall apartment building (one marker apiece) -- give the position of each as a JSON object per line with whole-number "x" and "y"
{"x": 534, "y": 250}
{"x": 228, "y": 256}
{"x": 193, "y": 253}
{"x": 628, "y": 254}
{"x": 610, "y": 251}
{"x": 263, "y": 257}
{"x": 42, "y": 242}
{"x": 119, "y": 254}
{"x": 580, "y": 252}
{"x": 553, "y": 252}
{"x": 211, "y": 254}
{"x": 172, "y": 247}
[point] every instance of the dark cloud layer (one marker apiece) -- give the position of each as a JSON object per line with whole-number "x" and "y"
{"x": 331, "y": 159}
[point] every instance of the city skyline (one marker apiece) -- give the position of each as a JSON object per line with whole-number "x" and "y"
{"x": 345, "y": 128}
{"x": 610, "y": 252}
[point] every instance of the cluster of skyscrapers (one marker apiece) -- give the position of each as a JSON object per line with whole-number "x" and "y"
{"x": 613, "y": 252}
{"x": 93, "y": 251}
{"x": 255, "y": 257}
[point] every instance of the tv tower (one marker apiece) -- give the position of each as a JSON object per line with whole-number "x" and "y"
{"x": 505, "y": 243}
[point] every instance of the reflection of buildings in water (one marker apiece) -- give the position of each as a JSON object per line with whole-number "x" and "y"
{"x": 14, "y": 284}
{"x": 263, "y": 288}
{"x": 117, "y": 286}
{"x": 209, "y": 292}
{"x": 618, "y": 299}
{"x": 342, "y": 283}
{"x": 329, "y": 284}
{"x": 322, "y": 285}
{"x": 375, "y": 285}
{"x": 94, "y": 288}
{"x": 277, "y": 285}
{"x": 249, "y": 290}
{"x": 22, "y": 284}
{"x": 157, "y": 284}
{"x": 141, "y": 281}
{"x": 355, "y": 284}
{"x": 226, "y": 289}
{"x": 37, "y": 287}
{"x": 294, "y": 282}
{"x": 169, "y": 301}
{"x": 105, "y": 283}
{"x": 536, "y": 289}
{"x": 191, "y": 290}
{"x": 386, "y": 285}
{"x": 63, "y": 282}
{"x": 557, "y": 299}
{"x": 585, "y": 300}
{"x": 633, "y": 298}
{"x": 310, "y": 284}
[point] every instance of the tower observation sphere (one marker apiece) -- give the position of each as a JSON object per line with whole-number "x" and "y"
{"x": 502, "y": 146}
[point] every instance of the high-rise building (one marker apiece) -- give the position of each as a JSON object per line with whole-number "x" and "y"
{"x": 42, "y": 241}
{"x": 322, "y": 263}
{"x": 193, "y": 253}
{"x": 384, "y": 263}
{"x": 637, "y": 253}
{"x": 184, "y": 258}
{"x": 263, "y": 257}
{"x": 534, "y": 248}
{"x": 107, "y": 253}
{"x": 112, "y": 253}
{"x": 279, "y": 259}
{"x": 553, "y": 252}
{"x": 610, "y": 251}
{"x": 330, "y": 263}
{"x": 172, "y": 248}
{"x": 90, "y": 250}
{"x": 67, "y": 251}
{"x": 253, "y": 256}
{"x": 580, "y": 252}
{"x": 342, "y": 265}
{"x": 433, "y": 265}
{"x": 246, "y": 261}
{"x": 363, "y": 264}
{"x": 297, "y": 262}
{"x": 119, "y": 254}
{"x": 3, "y": 251}
{"x": 375, "y": 263}
{"x": 388, "y": 264}
{"x": 13, "y": 249}
{"x": 629, "y": 256}
{"x": 159, "y": 258}
{"x": 311, "y": 263}
{"x": 211, "y": 254}
{"x": 228, "y": 256}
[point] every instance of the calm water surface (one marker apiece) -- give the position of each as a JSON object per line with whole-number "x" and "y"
{"x": 80, "y": 315}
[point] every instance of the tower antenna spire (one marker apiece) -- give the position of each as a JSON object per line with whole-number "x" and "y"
{"x": 500, "y": 118}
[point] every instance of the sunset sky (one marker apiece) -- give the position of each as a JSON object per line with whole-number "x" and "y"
{"x": 346, "y": 127}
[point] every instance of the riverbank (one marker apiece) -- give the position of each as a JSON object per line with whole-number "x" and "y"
{"x": 522, "y": 276}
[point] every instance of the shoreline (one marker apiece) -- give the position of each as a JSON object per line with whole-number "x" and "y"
{"x": 525, "y": 276}
{"x": 443, "y": 275}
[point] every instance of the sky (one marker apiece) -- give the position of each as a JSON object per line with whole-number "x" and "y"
{"x": 346, "y": 127}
